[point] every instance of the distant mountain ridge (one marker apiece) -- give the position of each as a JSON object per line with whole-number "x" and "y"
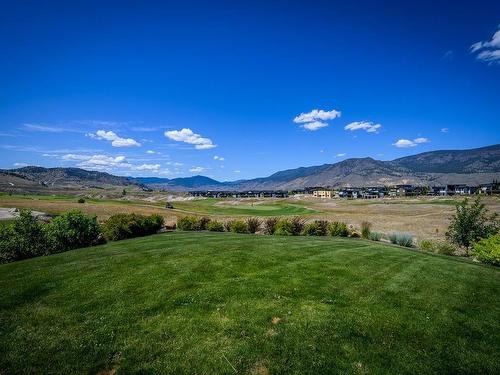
{"x": 474, "y": 166}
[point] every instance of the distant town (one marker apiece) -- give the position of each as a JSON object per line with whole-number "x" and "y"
{"x": 373, "y": 192}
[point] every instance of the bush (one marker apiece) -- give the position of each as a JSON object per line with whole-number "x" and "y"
{"x": 470, "y": 223}
{"x": 227, "y": 225}
{"x": 365, "y": 229}
{"x": 188, "y": 223}
{"x": 81, "y": 200}
{"x": 316, "y": 228}
{"x": 439, "y": 247}
{"x": 270, "y": 225}
{"x": 297, "y": 225}
{"x": 488, "y": 250}
{"x": 401, "y": 239}
{"x": 122, "y": 226}
{"x": 203, "y": 222}
{"x": 215, "y": 226}
{"x": 239, "y": 226}
{"x": 284, "y": 227}
{"x": 253, "y": 224}
{"x": 375, "y": 236}
{"x": 73, "y": 230}
{"x": 24, "y": 238}
{"x": 338, "y": 229}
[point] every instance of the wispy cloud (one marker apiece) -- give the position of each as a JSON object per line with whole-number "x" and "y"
{"x": 220, "y": 158}
{"x": 367, "y": 126}
{"x": 488, "y": 51}
{"x": 150, "y": 152}
{"x": 342, "y": 154}
{"x": 47, "y": 129}
{"x": 406, "y": 143}
{"x": 20, "y": 165}
{"x": 188, "y": 136}
{"x": 316, "y": 119}
{"x": 445, "y": 130}
{"x": 116, "y": 141}
{"x": 197, "y": 169}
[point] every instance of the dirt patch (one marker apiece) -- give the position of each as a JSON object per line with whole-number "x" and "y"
{"x": 259, "y": 369}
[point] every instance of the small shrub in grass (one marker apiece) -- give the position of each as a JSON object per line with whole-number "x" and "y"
{"x": 439, "y": 247}
{"x": 426, "y": 245}
{"x": 73, "y": 230}
{"x": 401, "y": 239}
{"x": 366, "y": 229}
{"x": 188, "y": 223}
{"x": 122, "y": 226}
{"x": 215, "y": 226}
{"x": 354, "y": 235}
{"x": 239, "y": 226}
{"x": 227, "y": 225}
{"x": 284, "y": 227}
{"x": 81, "y": 200}
{"x": 203, "y": 222}
{"x": 488, "y": 250}
{"x": 297, "y": 225}
{"x": 316, "y": 228}
{"x": 270, "y": 225}
{"x": 253, "y": 224}
{"x": 338, "y": 229}
{"x": 375, "y": 236}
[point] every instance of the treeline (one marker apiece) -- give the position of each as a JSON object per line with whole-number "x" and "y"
{"x": 26, "y": 237}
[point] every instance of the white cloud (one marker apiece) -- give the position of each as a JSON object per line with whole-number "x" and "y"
{"x": 177, "y": 164}
{"x": 317, "y": 114}
{"x": 116, "y": 141}
{"x": 44, "y": 128}
{"x": 148, "y": 167}
{"x": 315, "y": 125}
{"x": 237, "y": 171}
{"x": 74, "y": 157}
{"x": 197, "y": 169}
{"x": 20, "y": 164}
{"x": 315, "y": 119}
{"x": 368, "y": 126}
{"x": 445, "y": 130}
{"x": 421, "y": 140}
{"x": 406, "y": 143}
{"x": 104, "y": 162}
{"x": 150, "y": 152}
{"x": 488, "y": 51}
{"x": 341, "y": 154}
{"x": 220, "y": 158}
{"x": 188, "y": 136}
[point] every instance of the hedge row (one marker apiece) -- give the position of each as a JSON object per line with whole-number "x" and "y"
{"x": 26, "y": 237}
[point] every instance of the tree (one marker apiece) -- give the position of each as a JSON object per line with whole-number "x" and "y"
{"x": 124, "y": 192}
{"x": 471, "y": 222}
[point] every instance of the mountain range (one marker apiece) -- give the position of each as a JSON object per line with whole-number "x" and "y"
{"x": 473, "y": 166}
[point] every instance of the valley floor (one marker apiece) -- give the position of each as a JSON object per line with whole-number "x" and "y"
{"x": 222, "y": 303}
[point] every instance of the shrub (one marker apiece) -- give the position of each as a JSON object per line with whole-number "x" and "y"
{"x": 439, "y": 247}
{"x": 121, "y": 226}
{"x": 203, "y": 222}
{"x": 284, "y": 227}
{"x": 354, "y": 235}
{"x": 239, "y": 226}
{"x": 401, "y": 239}
{"x": 426, "y": 245}
{"x": 365, "y": 229}
{"x": 24, "y": 238}
{"x": 338, "y": 229}
{"x": 73, "y": 230}
{"x": 470, "y": 223}
{"x": 227, "y": 225}
{"x": 188, "y": 223}
{"x": 297, "y": 225}
{"x": 81, "y": 200}
{"x": 488, "y": 250}
{"x": 375, "y": 236}
{"x": 316, "y": 228}
{"x": 215, "y": 226}
{"x": 270, "y": 225}
{"x": 253, "y": 224}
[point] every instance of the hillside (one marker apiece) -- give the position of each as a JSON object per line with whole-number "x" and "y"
{"x": 205, "y": 303}
{"x": 474, "y": 166}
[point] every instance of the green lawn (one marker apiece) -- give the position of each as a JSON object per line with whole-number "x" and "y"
{"x": 213, "y": 206}
{"x": 203, "y": 303}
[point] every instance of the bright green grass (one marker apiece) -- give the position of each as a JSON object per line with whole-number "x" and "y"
{"x": 214, "y": 206}
{"x": 185, "y": 302}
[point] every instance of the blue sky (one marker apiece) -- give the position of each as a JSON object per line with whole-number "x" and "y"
{"x": 243, "y": 89}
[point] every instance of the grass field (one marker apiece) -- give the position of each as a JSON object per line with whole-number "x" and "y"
{"x": 203, "y": 303}
{"x": 424, "y": 217}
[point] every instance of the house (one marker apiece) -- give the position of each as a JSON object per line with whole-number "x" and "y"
{"x": 322, "y": 193}
{"x": 401, "y": 190}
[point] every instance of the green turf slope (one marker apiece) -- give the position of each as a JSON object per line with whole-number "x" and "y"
{"x": 203, "y": 303}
